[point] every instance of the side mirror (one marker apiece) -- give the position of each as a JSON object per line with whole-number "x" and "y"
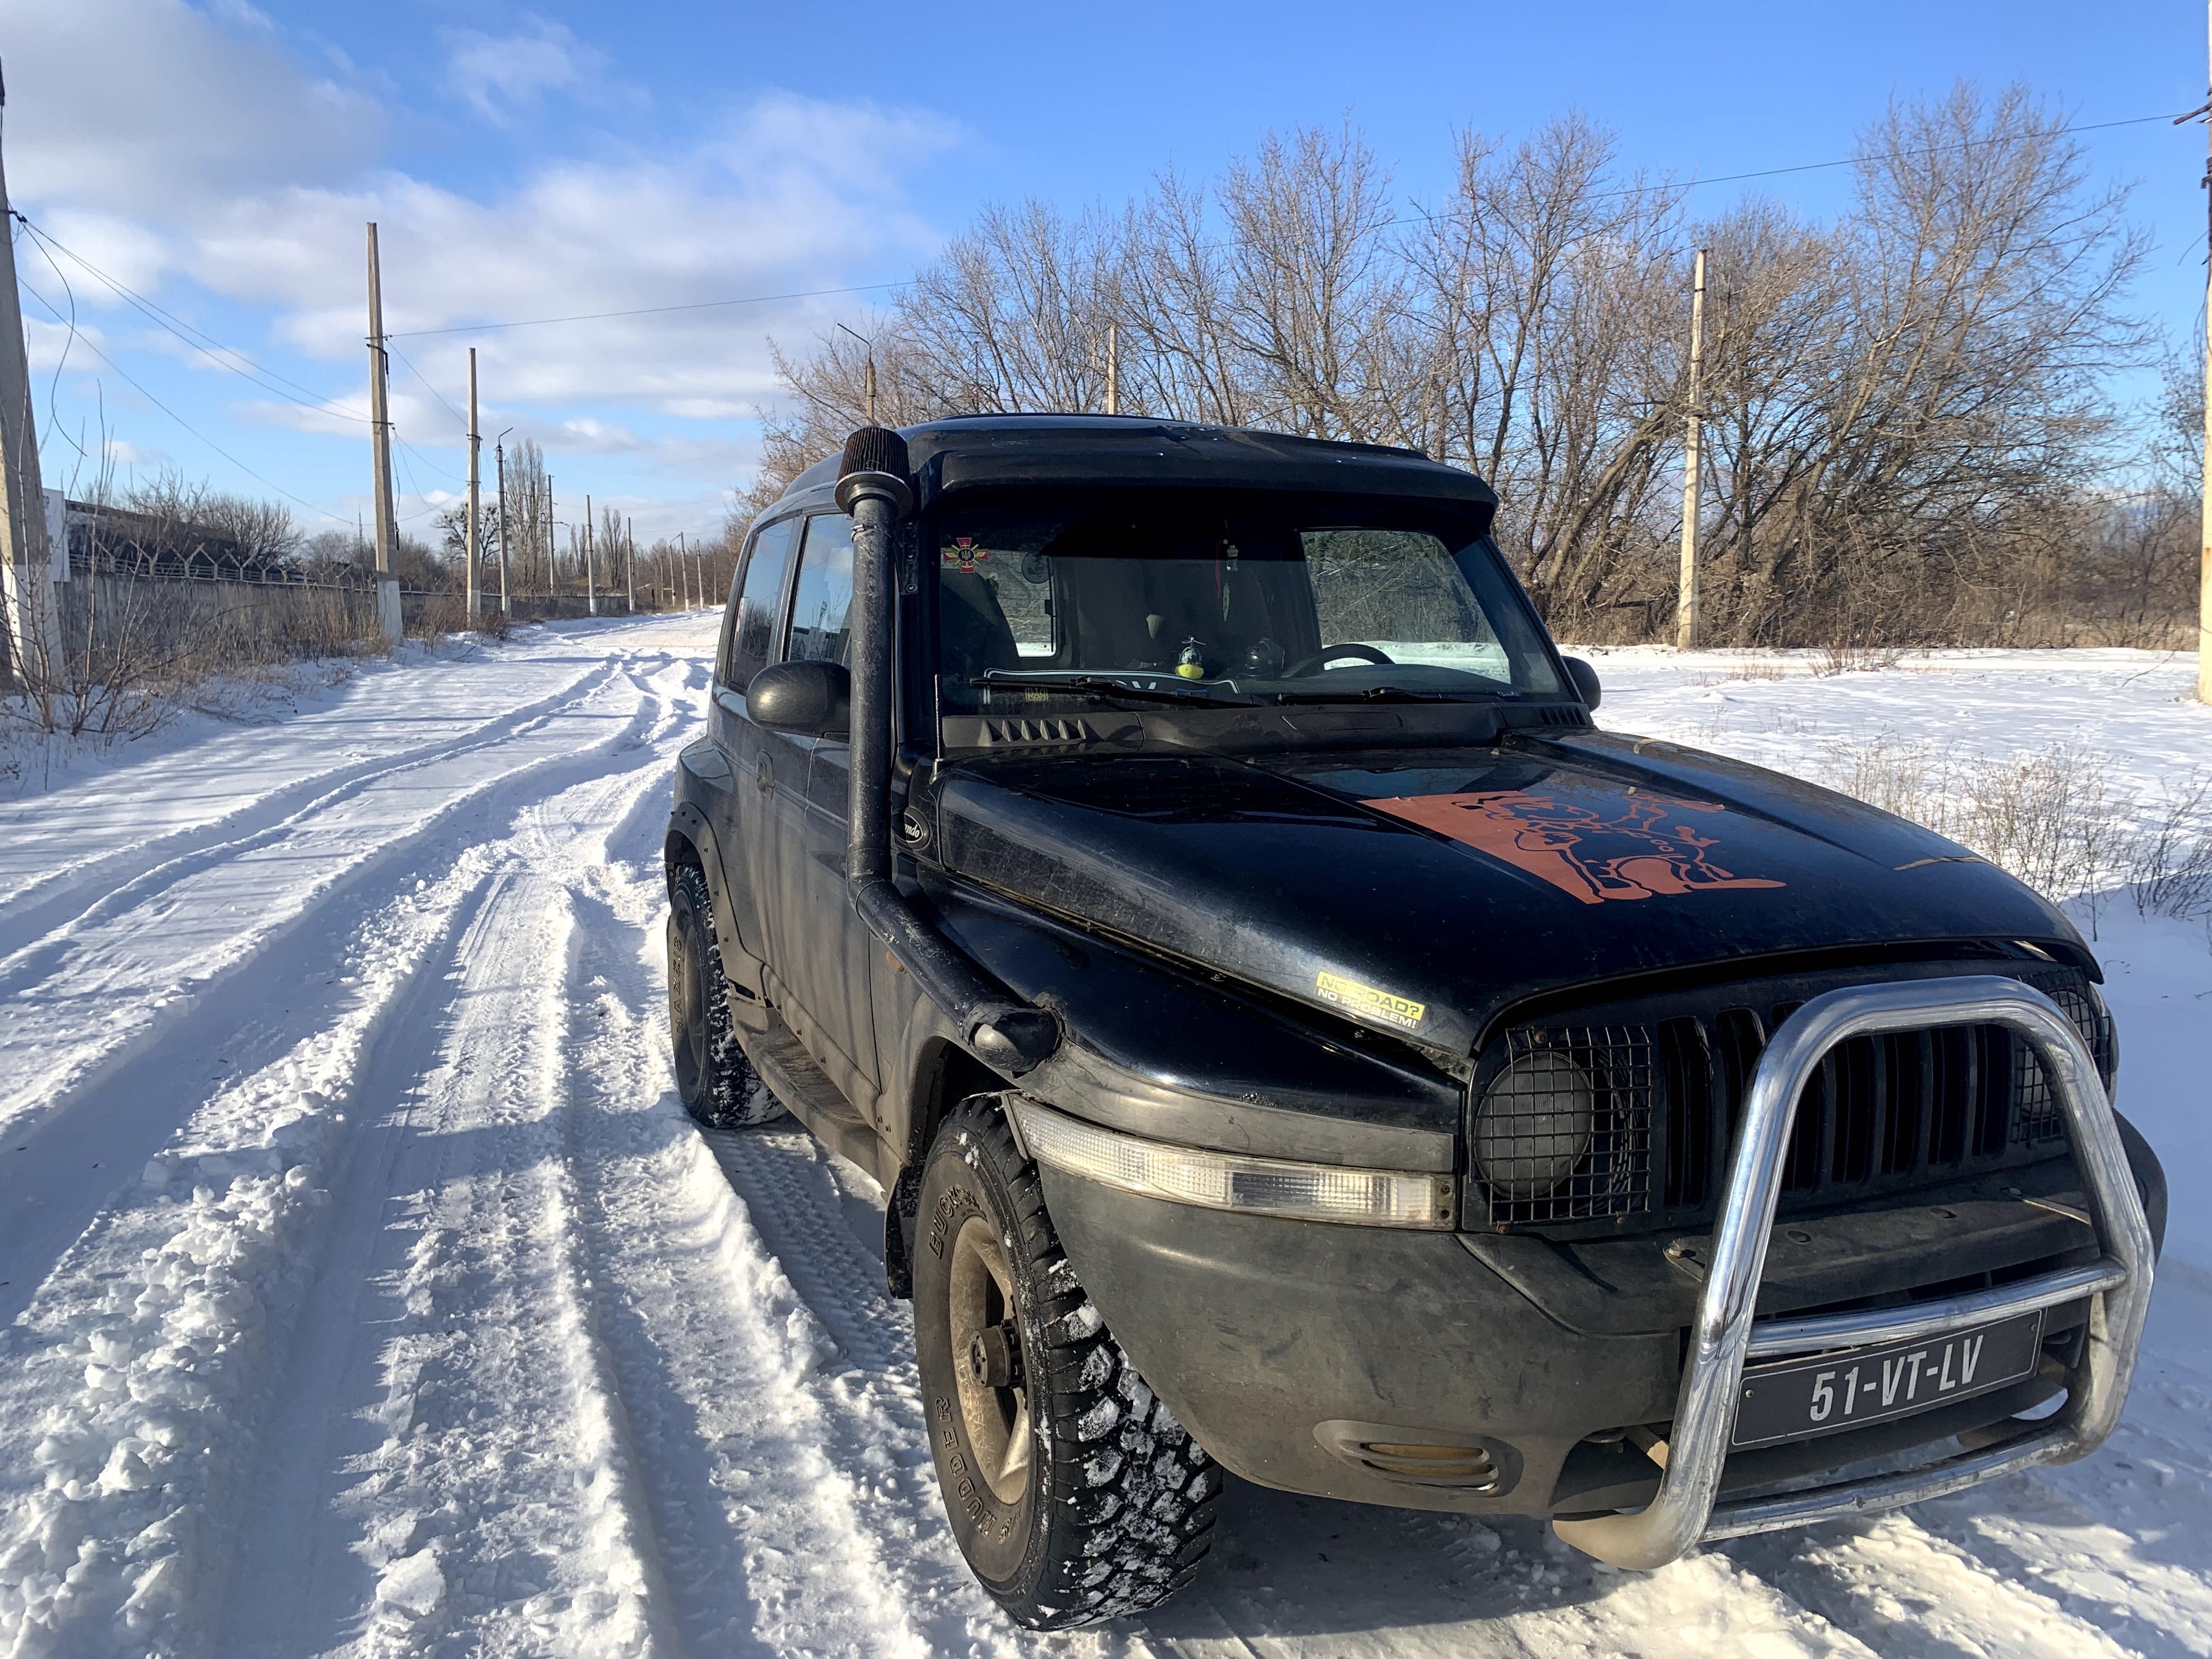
{"x": 807, "y": 699}
{"x": 1583, "y": 675}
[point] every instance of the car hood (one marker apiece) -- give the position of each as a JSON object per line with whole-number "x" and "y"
{"x": 1422, "y": 892}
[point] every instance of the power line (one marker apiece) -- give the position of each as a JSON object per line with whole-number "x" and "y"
{"x": 1853, "y": 160}
{"x": 319, "y": 512}
{"x": 1801, "y": 167}
{"x": 198, "y": 338}
{"x": 54, "y": 386}
{"x": 428, "y": 465}
{"x": 427, "y": 386}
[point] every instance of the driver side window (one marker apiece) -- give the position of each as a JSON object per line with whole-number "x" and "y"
{"x": 750, "y": 640}
{"x": 820, "y": 607}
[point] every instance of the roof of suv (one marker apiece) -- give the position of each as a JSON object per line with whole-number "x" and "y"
{"x": 973, "y": 450}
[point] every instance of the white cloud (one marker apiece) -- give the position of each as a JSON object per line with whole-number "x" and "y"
{"x": 761, "y": 208}
{"x": 50, "y": 346}
{"x": 499, "y": 75}
{"x": 179, "y": 111}
{"x": 122, "y": 454}
{"x": 208, "y": 150}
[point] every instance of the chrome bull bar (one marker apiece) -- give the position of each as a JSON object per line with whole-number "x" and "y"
{"x": 1684, "y": 1512}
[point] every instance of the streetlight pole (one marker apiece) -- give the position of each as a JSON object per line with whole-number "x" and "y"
{"x": 506, "y": 524}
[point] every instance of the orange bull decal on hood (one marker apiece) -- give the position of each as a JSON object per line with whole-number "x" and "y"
{"x": 1595, "y": 844}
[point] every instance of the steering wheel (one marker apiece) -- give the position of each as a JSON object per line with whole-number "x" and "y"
{"x": 1329, "y": 653}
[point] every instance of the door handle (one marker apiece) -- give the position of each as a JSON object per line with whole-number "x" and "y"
{"x": 764, "y": 775}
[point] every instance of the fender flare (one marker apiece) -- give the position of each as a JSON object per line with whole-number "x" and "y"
{"x": 688, "y": 828}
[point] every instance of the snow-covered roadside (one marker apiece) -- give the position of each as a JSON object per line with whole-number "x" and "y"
{"x": 382, "y": 1301}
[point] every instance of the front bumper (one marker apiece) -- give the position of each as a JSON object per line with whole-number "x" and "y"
{"x": 1257, "y": 1331}
{"x": 1272, "y": 1339}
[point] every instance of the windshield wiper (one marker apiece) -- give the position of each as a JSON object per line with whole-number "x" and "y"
{"x": 1100, "y": 685}
{"x": 1393, "y": 694}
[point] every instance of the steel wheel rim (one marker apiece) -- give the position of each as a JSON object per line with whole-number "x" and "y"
{"x": 980, "y": 1300}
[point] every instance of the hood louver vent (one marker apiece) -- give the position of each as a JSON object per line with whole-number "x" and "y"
{"x": 996, "y": 733}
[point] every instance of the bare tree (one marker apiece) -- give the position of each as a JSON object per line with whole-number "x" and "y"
{"x": 1909, "y": 409}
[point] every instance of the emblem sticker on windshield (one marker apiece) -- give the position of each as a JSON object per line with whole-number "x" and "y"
{"x": 963, "y": 554}
{"x": 1354, "y": 998}
{"x": 1593, "y": 844}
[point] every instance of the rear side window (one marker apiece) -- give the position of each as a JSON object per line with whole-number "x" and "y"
{"x": 821, "y": 607}
{"x": 749, "y": 637}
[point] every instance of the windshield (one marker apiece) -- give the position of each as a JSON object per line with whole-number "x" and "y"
{"x": 1200, "y": 599}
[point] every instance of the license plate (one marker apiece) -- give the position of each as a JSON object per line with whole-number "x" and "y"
{"x": 1798, "y": 1399}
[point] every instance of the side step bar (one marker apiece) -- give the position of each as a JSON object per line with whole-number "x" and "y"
{"x": 1684, "y": 1512}
{"x": 807, "y": 1092}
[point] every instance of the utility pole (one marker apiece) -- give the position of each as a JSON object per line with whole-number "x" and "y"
{"x": 869, "y": 381}
{"x": 506, "y": 524}
{"x": 1113, "y": 368}
{"x": 590, "y": 586}
{"x": 475, "y": 452}
{"x": 2204, "y": 566}
{"x": 630, "y": 565}
{"x": 683, "y": 569}
{"x": 552, "y": 543}
{"x": 380, "y": 415}
{"x": 28, "y": 614}
{"x": 1685, "y": 605}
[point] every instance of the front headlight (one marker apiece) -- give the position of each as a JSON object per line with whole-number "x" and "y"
{"x": 1230, "y": 1181}
{"x": 1535, "y": 1125}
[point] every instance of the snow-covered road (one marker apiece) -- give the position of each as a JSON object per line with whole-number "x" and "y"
{"x": 366, "y": 1292}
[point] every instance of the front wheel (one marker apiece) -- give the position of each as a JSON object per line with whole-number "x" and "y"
{"x": 717, "y": 1083}
{"x": 1073, "y": 1492}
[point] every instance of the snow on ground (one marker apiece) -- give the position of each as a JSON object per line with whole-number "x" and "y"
{"x": 367, "y": 1291}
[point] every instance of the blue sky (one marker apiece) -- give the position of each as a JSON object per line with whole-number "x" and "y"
{"x": 219, "y": 161}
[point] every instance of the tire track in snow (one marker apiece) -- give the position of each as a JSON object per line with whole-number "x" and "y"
{"x": 714, "y": 1349}
{"x": 81, "y": 1568}
{"x": 126, "y": 1100}
{"x": 36, "y": 909}
{"x": 497, "y": 1363}
{"x": 447, "y": 1440}
{"x": 131, "y": 1386}
{"x": 724, "y": 1369}
{"x": 451, "y": 1464}
{"x": 794, "y": 1510}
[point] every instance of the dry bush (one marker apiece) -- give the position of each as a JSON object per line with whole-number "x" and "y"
{"x": 1854, "y": 659}
{"x": 136, "y": 652}
{"x": 2050, "y": 817}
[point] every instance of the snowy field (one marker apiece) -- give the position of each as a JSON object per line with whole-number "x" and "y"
{"x": 365, "y": 1290}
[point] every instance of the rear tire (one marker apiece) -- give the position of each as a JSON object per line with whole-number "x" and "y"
{"x": 1073, "y": 1492}
{"x": 717, "y": 1084}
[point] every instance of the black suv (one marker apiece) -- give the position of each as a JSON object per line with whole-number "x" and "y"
{"x": 1178, "y": 865}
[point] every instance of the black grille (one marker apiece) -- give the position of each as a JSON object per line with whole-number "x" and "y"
{"x": 1882, "y": 1113}
{"x": 1566, "y": 1127}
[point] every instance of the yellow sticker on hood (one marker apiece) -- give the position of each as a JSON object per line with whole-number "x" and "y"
{"x": 1354, "y": 998}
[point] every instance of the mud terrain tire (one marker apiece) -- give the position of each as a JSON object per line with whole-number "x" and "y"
{"x": 716, "y": 1082}
{"x": 1074, "y": 1494}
